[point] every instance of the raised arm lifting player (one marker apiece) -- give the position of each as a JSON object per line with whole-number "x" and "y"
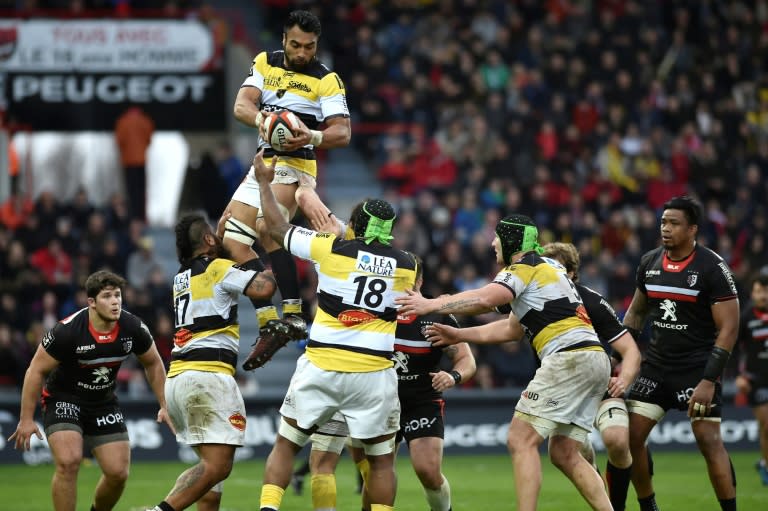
{"x": 347, "y": 366}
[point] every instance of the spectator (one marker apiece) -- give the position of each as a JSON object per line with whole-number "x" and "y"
{"x": 133, "y": 133}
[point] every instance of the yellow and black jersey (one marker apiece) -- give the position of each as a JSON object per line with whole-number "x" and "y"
{"x": 354, "y": 326}
{"x": 315, "y": 95}
{"x": 548, "y": 305}
{"x": 205, "y": 296}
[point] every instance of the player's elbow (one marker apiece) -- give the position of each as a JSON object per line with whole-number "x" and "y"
{"x": 239, "y": 111}
{"x": 262, "y": 287}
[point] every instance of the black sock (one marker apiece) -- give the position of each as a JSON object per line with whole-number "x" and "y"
{"x": 728, "y": 504}
{"x": 618, "y": 485}
{"x": 93, "y": 508}
{"x": 259, "y": 303}
{"x": 648, "y": 503}
{"x": 164, "y": 506}
{"x": 284, "y": 267}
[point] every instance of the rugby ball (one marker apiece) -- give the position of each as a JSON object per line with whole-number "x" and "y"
{"x": 279, "y": 127}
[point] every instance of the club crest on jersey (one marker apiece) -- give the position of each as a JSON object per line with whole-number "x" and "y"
{"x": 692, "y": 279}
{"x": 127, "y": 345}
{"x": 378, "y": 265}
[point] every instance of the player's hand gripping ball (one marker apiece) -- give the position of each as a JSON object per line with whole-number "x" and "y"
{"x": 279, "y": 127}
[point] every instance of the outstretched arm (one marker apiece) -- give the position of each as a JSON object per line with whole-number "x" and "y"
{"x": 471, "y": 302}
{"x": 42, "y": 364}
{"x": 277, "y": 225}
{"x": 497, "y": 332}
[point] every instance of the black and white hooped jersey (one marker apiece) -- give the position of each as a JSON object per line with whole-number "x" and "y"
{"x": 415, "y": 357}
{"x": 680, "y": 296}
{"x": 205, "y": 296}
{"x": 753, "y": 338}
{"x": 89, "y": 360}
{"x": 357, "y": 283}
{"x": 316, "y": 94}
{"x": 548, "y": 306}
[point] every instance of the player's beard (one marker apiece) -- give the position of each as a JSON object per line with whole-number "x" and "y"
{"x": 294, "y": 65}
{"x": 219, "y": 250}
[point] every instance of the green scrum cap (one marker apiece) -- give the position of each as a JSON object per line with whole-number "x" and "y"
{"x": 517, "y": 233}
{"x": 373, "y": 220}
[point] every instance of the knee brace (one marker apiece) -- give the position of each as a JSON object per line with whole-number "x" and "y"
{"x": 238, "y": 231}
{"x": 292, "y": 433}
{"x": 379, "y": 448}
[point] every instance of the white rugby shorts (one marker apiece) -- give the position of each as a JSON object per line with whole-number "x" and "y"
{"x": 567, "y": 389}
{"x": 248, "y": 191}
{"x": 206, "y": 408}
{"x": 367, "y": 402}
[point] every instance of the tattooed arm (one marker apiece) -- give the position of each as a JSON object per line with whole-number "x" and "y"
{"x": 470, "y": 302}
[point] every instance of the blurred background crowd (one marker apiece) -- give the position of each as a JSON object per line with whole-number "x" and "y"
{"x": 585, "y": 115}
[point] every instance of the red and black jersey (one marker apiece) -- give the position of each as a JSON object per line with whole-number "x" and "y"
{"x": 680, "y": 296}
{"x": 753, "y": 339}
{"x": 415, "y": 357}
{"x": 89, "y": 360}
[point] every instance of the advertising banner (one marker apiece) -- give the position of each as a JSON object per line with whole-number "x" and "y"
{"x": 474, "y": 426}
{"x": 76, "y": 75}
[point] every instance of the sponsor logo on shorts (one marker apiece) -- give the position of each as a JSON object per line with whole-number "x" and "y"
{"x": 683, "y": 396}
{"x": 238, "y": 421}
{"x": 354, "y": 317}
{"x": 533, "y": 396}
{"x": 66, "y": 410}
{"x": 644, "y": 386}
{"x": 420, "y": 423}
{"x": 110, "y": 419}
{"x": 552, "y": 403}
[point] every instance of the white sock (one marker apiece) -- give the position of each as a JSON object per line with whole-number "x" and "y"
{"x": 439, "y": 500}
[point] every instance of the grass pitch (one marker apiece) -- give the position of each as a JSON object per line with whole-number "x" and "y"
{"x": 477, "y": 483}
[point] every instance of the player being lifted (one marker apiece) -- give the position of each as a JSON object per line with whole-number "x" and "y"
{"x": 290, "y": 79}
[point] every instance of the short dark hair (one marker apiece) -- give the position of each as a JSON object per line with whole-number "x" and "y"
{"x": 305, "y": 20}
{"x": 189, "y": 235}
{"x": 761, "y": 279}
{"x": 688, "y": 205}
{"x": 100, "y": 280}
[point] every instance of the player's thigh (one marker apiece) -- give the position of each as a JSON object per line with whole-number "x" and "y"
{"x": 114, "y": 458}
{"x": 426, "y": 454}
{"x": 285, "y": 193}
{"x": 243, "y": 212}
{"x": 66, "y": 447}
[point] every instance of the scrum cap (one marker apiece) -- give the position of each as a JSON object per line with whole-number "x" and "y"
{"x": 517, "y": 233}
{"x": 373, "y": 220}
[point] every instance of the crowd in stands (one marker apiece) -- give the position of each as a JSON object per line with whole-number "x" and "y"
{"x": 585, "y": 115}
